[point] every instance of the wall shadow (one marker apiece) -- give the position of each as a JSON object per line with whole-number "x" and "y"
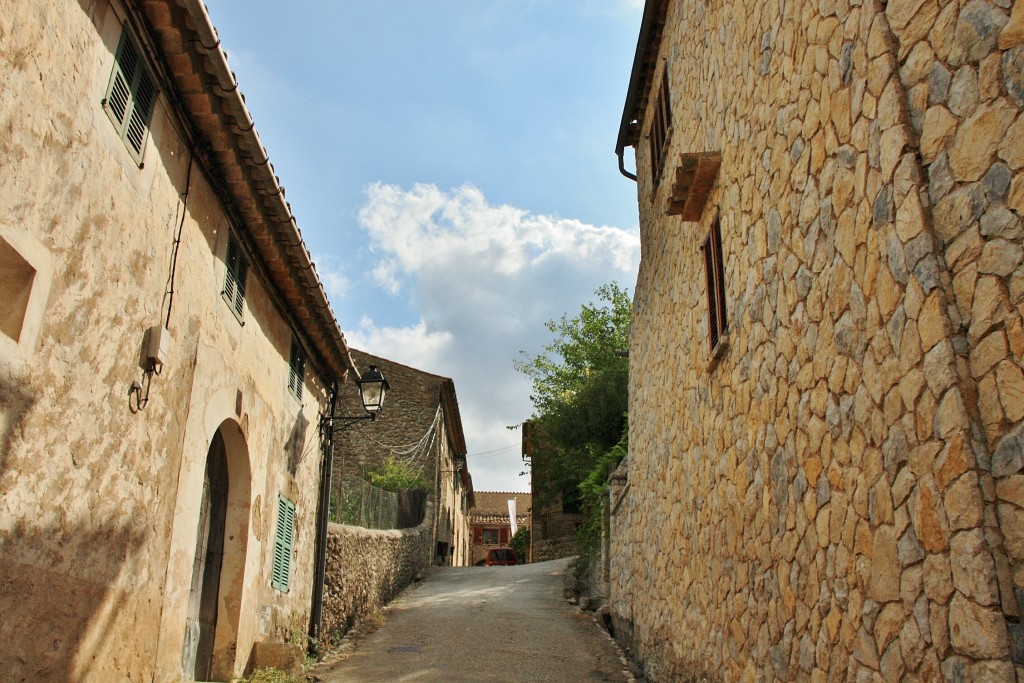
{"x": 63, "y": 618}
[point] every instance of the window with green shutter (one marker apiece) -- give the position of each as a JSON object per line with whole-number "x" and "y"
{"x": 284, "y": 538}
{"x": 236, "y": 272}
{"x": 131, "y": 96}
{"x": 296, "y": 370}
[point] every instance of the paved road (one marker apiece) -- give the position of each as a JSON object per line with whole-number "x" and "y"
{"x": 504, "y": 624}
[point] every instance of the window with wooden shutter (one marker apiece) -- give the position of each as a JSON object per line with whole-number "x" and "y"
{"x": 296, "y": 370}
{"x": 715, "y": 274}
{"x": 131, "y": 96}
{"x": 490, "y": 537}
{"x": 661, "y": 126}
{"x": 236, "y": 272}
{"x": 284, "y": 538}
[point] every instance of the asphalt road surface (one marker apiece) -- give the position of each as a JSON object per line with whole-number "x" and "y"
{"x": 505, "y": 624}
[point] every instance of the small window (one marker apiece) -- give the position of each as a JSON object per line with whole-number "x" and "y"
{"x": 236, "y": 272}
{"x": 15, "y": 290}
{"x": 715, "y": 272}
{"x": 490, "y": 537}
{"x": 661, "y": 126}
{"x": 131, "y": 96}
{"x": 296, "y": 370}
{"x": 283, "y": 540}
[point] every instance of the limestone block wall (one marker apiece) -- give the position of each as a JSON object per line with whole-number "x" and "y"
{"x": 101, "y": 498}
{"x": 367, "y": 568}
{"x": 835, "y": 494}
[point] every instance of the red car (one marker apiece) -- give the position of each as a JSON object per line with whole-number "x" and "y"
{"x": 501, "y": 557}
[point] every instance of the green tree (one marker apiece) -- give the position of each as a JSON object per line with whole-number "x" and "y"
{"x": 521, "y": 542}
{"x": 580, "y": 387}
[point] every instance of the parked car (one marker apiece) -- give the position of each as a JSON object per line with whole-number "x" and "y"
{"x": 502, "y": 557}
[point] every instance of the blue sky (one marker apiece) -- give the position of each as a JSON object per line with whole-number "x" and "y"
{"x": 451, "y": 168}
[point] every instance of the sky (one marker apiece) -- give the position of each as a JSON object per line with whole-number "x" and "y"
{"x": 451, "y": 167}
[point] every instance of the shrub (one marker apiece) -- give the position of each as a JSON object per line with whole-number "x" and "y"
{"x": 395, "y": 475}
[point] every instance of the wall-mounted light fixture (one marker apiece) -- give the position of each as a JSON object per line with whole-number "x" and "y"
{"x": 373, "y": 387}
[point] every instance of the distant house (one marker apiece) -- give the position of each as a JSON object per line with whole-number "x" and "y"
{"x": 420, "y": 427}
{"x": 492, "y": 523}
{"x": 166, "y": 350}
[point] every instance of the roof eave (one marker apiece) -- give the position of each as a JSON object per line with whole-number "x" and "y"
{"x": 644, "y": 60}
{"x": 208, "y": 93}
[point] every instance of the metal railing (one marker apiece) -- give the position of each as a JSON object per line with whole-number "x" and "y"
{"x": 359, "y": 503}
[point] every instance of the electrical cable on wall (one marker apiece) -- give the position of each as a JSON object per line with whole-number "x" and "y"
{"x": 177, "y": 241}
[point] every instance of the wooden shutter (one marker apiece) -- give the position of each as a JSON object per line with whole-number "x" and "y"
{"x": 131, "y": 95}
{"x": 503, "y": 536}
{"x": 296, "y": 370}
{"x": 660, "y": 126}
{"x": 235, "y": 276}
{"x": 478, "y": 535}
{"x": 284, "y": 538}
{"x": 715, "y": 276}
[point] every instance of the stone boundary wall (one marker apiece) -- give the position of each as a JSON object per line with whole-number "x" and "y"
{"x": 367, "y": 568}
{"x": 554, "y": 549}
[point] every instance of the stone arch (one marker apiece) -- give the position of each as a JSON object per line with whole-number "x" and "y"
{"x": 218, "y": 577}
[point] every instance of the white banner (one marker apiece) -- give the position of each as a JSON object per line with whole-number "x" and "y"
{"x": 512, "y": 514}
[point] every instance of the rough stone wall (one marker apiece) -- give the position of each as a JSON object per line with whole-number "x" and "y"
{"x": 367, "y": 568}
{"x": 100, "y": 501}
{"x": 408, "y": 429}
{"x": 821, "y": 492}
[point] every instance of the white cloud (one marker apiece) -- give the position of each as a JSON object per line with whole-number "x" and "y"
{"x": 335, "y": 283}
{"x": 484, "y": 279}
{"x": 413, "y": 346}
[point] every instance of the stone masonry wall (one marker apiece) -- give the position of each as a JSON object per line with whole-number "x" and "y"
{"x": 836, "y": 494}
{"x": 367, "y": 568}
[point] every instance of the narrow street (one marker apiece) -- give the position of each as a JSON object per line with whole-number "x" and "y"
{"x": 484, "y": 624}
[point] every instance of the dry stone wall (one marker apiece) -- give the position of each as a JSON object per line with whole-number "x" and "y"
{"x": 836, "y": 495}
{"x": 367, "y": 568}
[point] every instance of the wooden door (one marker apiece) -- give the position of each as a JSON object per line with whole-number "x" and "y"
{"x": 201, "y": 623}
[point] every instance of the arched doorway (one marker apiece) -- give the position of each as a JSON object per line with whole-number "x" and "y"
{"x": 219, "y": 560}
{"x": 201, "y": 624}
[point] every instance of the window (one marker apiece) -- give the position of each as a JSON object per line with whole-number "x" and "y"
{"x": 296, "y": 370}
{"x": 235, "y": 275}
{"x": 15, "y": 290}
{"x": 491, "y": 536}
{"x": 661, "y": 126}
{"x": 715, "y": 272}
{"x": 281, "y": 573}
{"x": 131, "y": 96}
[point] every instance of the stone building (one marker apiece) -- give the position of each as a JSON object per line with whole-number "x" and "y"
{"x": 826, "y": 356}
{"x": 419, "y": 426}
{"x": 166, "y": 349}
{"x": 555, "y": 518}
{"x": 491, "y": 522}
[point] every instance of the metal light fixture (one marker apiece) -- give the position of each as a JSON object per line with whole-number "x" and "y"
{"x": 372, "y": 389}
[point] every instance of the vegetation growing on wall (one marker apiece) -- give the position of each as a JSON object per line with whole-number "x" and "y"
{"x": 394, "y": 475}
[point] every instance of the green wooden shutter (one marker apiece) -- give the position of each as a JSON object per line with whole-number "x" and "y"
{"x": 131, "y": 95}
{"x": 283, "y": 540}
{"x": 235, "y": 276}
{"x": 296, "y": 370}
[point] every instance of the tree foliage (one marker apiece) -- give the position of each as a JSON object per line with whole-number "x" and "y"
{"x": 580, "y": 387}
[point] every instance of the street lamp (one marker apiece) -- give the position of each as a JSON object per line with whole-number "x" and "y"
{"x": 372, "y": 388}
